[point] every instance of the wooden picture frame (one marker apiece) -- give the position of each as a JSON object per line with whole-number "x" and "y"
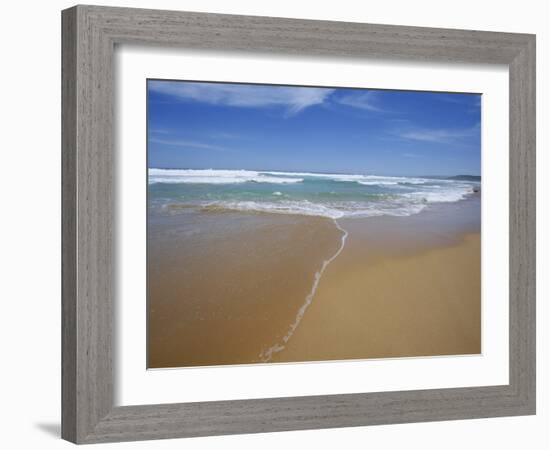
{"x": 90, "y": 34}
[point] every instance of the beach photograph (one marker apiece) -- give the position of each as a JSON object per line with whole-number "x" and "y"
{"x": 290, "y": 224}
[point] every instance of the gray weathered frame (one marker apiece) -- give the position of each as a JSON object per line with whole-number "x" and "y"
{"x": 89, "y": 36}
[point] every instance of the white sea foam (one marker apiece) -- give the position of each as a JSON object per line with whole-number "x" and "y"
{"x": 211, "y": 176}
{"x": 330, "y": 210}
{"x": 303, "y": 208}
{"x": 332, "y": 176}
{"x": 367, "y": 180}
{"x": 266, "y": 355}
{"x": 378, "y": 183}
{"x": 373, "y": 180}
{"x": 440, "y": 194}
{"x": 216, "y": 176}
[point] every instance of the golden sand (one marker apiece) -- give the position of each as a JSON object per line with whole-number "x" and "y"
{"x": 427, "y": 302}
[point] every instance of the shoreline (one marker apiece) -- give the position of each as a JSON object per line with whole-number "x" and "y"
{"x": 265, "y": 356}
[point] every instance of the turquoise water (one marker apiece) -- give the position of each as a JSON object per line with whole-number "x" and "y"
{"x": 313, "y": 194}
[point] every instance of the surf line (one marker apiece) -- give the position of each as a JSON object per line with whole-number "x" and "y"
{"x": 266, "y": 355}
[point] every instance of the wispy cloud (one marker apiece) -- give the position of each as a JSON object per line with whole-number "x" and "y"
{"x": 185, "y": 143}
{"x": 292, "y": 99}
{"x": 160, "y": 131}
{"x": 184, "y": 133}
{"x": 368, "y": 100}
{"x": 472, "y": 102}
{"x": 224, "y": 135}
{"x": 441, "y": 135}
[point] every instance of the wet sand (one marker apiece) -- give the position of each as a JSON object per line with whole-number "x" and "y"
{"x": 226, "y": 288}
{"x": 223, "y": 287}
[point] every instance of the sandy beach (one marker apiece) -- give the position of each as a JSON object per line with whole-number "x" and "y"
{"x": 251, "y": 288}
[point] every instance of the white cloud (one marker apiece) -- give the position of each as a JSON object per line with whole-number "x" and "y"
{"x": 363, "y": 100}
{"x": 294, "y": 99}
{"x": 185, "y": 143}
{"x": 441, "y": 136}
{"x": 160, "y": 131}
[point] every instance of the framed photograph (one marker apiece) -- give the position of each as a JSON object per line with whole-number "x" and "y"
{"x": 279, "y": 224}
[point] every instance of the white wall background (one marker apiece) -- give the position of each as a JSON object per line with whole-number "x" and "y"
{"x": 30, "y": 225}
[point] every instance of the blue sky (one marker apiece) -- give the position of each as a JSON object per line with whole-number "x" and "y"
{"x": 263, "y": 127}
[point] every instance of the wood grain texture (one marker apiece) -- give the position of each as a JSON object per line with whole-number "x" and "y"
{"x": 523, "y": 223}
{"x": 68, "y": 225}
{"x": 89, "y": 36}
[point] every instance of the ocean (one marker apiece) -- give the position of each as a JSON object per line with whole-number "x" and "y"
{"x": 330, "y": 195}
